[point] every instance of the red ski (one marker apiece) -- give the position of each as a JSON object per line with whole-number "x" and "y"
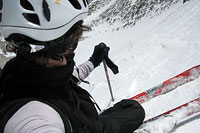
{"x": 171, "y": 84}
{"x": 191, "y": 110}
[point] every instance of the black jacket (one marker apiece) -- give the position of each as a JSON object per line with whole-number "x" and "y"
{"x": 22, "y": 82}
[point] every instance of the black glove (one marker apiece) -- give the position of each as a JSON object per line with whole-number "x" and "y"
{"x": 99, "y": 54}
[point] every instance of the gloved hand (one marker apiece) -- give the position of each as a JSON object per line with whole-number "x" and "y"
{"x": 100, "y": 51}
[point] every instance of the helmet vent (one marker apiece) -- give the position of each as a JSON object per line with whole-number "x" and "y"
{"x": 26, "y": 5}
{"x": 1, "y": 4}
{"x": 33, "y": 18}
{"x": 46, "y": 10}
{"x": 84, "y": 1}
{"x": 75, "y": 4}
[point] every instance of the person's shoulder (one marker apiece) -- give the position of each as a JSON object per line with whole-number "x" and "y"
{"x": 10, "y": 62}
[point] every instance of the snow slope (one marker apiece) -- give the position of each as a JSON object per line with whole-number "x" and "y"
{"x": 152, "y": 51}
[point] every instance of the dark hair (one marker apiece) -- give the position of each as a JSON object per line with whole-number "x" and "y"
{"x": 53, "y": 49}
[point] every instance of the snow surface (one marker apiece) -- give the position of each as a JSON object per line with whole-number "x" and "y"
{"x": 152, "y": 51}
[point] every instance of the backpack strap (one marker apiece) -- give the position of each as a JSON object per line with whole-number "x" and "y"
{"x": 80, "y": 90}
{"x": 83, "y": 106}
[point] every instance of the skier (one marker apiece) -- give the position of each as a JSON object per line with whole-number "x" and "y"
{"x": 38, "y": 90}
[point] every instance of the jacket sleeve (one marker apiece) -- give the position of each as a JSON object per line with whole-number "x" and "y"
{"x": 82, "y": 71}
{"x": 35, "y": 116}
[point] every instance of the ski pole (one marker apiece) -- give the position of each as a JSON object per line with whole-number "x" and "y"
{"x": 113, "y": 67}
{"x": 108, "y": 62}
{"x": 107, "y": 76}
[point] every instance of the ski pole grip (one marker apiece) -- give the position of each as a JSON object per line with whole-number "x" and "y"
{"x": 108, "y": 61}
{"x": 111, "y": 65}
{"x": 101, "y": 46}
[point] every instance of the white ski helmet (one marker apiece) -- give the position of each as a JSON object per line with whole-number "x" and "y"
{"x": 41, "y": 20}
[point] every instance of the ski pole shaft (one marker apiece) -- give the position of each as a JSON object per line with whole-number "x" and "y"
{"x": 108, "y": 79}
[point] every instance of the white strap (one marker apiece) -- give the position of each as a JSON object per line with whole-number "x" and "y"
{"x": 83, "y": 70}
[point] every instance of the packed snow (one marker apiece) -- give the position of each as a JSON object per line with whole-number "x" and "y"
{"x": 154, "y": 50}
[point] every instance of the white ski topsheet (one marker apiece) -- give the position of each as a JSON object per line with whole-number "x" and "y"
{"x": 152, "y": 51}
